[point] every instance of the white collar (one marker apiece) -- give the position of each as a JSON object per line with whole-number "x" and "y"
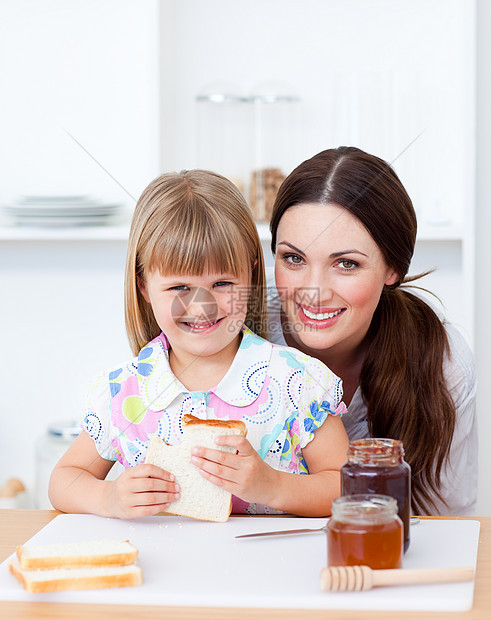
{"x": 158, "y": 386}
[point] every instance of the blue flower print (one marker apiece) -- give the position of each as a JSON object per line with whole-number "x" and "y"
{"x": 318, "y": 413}
{"x": 145, "y": 368}
{"x": 114, "y": 384}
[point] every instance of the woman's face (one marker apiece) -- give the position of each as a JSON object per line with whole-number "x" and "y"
{"x": 330, "y": 274}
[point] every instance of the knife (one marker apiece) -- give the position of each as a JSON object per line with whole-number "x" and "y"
{"x": 284, "y": 532}
{"x": 414, "y": 521}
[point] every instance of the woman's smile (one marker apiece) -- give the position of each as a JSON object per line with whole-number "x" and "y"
{"x": 318, "y": 318}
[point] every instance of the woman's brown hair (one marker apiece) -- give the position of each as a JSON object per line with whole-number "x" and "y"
{"x": 401, "y": 380}
{"x": 183, "y": 223}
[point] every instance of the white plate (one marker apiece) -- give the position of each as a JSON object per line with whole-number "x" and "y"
{"x": 58, "y": 222}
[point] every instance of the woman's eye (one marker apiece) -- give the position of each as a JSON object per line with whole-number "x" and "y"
{"x": 293, "y": 259}
{"x": 348, "y": 264}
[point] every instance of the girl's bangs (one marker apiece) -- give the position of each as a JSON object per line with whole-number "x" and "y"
{"x": 184, "y": 252}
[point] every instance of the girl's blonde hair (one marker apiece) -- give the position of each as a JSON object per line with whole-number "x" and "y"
{"x": 184, "y": 222}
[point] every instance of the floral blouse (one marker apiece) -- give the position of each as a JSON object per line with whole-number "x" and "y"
{"x": 281, "y": 394}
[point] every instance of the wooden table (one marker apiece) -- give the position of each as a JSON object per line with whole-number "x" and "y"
{"x": 17, "y": 526}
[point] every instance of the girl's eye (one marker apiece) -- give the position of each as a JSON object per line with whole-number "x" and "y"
{"x": 179, "y": 287}
{"x": 348, "y": 265}
{"x": 222, "y": 284}
{"x": 293, "y": 259}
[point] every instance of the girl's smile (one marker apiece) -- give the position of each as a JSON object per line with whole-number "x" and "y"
{"x": 202, "y": 326}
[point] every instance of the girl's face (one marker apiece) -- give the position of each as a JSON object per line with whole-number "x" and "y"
{"x": 330, "y": 274}
{"x": 201, "y": 316}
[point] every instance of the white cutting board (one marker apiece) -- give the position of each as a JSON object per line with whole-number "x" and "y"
{"x": 194, "y": 563}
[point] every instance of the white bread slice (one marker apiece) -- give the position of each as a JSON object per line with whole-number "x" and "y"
{"x": 77, "y": 555}
{"x": 200, "y": 498}
{"x": 55, "y": 579}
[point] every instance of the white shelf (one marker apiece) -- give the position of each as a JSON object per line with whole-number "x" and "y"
{"x": 119, "y": 232}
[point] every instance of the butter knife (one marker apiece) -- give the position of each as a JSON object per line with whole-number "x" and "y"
{"x": 414, "y": 521}
{"x": 284, "y": 532}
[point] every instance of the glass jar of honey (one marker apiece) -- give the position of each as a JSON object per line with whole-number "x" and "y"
{"x": 364, "y": 530}
{"x": 378, "y": 466}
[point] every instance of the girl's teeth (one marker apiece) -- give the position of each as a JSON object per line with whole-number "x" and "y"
{"x": 320, "y": 317}
{"x": 201, "y": 325}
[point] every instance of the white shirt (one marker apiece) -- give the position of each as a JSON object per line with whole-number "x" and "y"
{"x": 459, "y": 475}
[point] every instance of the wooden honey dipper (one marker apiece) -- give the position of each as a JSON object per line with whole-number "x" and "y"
{"x": 356, "y": 578}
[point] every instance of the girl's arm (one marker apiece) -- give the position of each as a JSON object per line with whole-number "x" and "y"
{"x": 248, "y": 477}
{"x": 77, "y": 485}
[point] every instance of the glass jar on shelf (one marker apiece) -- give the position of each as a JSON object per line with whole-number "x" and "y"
{"x": 224, "y": 138}
{"x": 250, "y": 139}
{"x": 275, "y": 144}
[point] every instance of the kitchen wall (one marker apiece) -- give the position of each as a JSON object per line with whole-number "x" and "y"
{"x": 121, "y": 77}
{"x": 89, "y": 69}
{"x": 396, "y": 79}
{"x": 483, "y": 250}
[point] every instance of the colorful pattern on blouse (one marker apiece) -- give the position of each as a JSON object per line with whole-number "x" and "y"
{"x": 282, "y": 395}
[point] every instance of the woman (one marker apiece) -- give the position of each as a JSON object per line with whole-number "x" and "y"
{"x": 343, "y": 234}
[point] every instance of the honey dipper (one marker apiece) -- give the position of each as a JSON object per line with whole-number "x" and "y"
{"x": 356, "y": 578}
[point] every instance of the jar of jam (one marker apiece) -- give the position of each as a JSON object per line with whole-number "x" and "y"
{"x": 364, "y": 530}
{"x": 378, "y": 466}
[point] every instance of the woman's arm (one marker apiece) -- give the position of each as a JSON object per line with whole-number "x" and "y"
{"x": 77, "y": 485}
{"x": 248, "y": 477}
{"x": 460, "y": 473}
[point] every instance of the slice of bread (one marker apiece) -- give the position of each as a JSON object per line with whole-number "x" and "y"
{"x": 77, "y": 555}
{"x": 54, "y": 579}
{"x": 200, "y": 498}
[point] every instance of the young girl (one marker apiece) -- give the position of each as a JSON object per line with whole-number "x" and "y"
{"x": 194, "y": 295}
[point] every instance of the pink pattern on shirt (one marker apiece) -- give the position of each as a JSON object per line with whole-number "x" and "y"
{"x": 234, "y": 412}
{"x": 149, "y": 420}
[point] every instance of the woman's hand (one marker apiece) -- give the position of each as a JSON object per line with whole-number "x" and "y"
{"x": 244, "y": 474}
{"x": 140, "y": 491}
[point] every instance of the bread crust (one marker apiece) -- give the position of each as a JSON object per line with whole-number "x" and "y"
{"x": 190, "y": 421}
{"x": 89, "y": 582}
{"x": 120, "y": 559}
{"x": 75, "y": 561}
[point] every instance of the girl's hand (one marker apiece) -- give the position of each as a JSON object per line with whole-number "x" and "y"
{"x": 140, "y": 491}
{"x": 244, "y": 474}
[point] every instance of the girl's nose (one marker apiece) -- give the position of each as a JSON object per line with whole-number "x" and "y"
{"x": 197, "y": 304}
{"x": 202, "y": 303}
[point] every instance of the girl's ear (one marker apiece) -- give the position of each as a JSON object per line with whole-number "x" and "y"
{"x": 141, "y": 287}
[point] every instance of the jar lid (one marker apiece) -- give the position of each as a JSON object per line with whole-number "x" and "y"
{"x": 65, "y": 429}
{"x": 364, "y": 508}
{"x": 375, "y": 451}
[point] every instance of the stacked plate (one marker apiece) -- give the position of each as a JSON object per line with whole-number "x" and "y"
{"x": 52, "y": 211}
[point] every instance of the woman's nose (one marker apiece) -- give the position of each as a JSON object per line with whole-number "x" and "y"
{"x": 316, "y": 289}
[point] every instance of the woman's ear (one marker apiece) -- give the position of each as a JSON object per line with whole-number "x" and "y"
{"x": 392, "y": 278}
{"x": 141, "y": 287}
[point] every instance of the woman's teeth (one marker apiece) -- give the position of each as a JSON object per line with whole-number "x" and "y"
{"x": 322, "y": 316}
